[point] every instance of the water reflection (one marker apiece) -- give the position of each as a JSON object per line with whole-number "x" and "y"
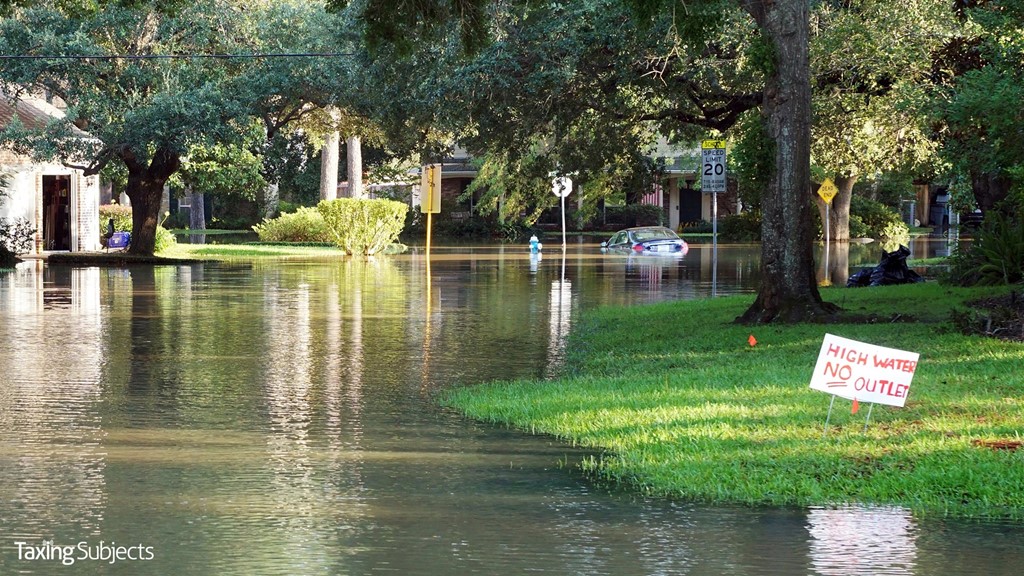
{"x": 862, "y": 540}
{"x": 840, "y": 259}
{"x": 47, "y": 400}
{"x": 280, "y": 419}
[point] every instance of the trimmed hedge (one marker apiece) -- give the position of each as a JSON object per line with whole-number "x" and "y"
{"x": 121, "y": 214}
{"x": 304, "y": 225}
{"x": 363, "y": 226}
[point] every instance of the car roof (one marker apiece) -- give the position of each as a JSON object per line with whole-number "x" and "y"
{"x": 635, "y": 228}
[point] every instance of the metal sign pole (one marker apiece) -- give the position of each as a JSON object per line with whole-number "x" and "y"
{"x": 828, "y": 244}
{"x": 714, "y": 244}
{"x": 714, "y": 179}
{"x": 563, "y": 222}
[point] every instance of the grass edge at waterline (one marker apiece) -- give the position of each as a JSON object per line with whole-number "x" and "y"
{"x": 683, "y": 406}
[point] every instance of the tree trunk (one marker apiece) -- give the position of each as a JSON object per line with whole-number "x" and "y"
{"x": 329, "y": 167}
{"x": 839, "y": 213}
{"x": 197, "y": 217}
{"x": 271, "y": 199}
{"x": 354, "y": 154}
{"x": 989, "y": 190}
{"x": 834, "y": 267}
{"x": 197, "y": 211}
{"x": 145, "y": 189}
{"x": 789, "y": 290}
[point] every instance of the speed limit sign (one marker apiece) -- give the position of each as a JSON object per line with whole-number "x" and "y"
{"x": 712, "y": 166}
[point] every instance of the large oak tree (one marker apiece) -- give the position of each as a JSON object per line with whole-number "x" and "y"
{"x": 148, "y": 81}
{"x": 789, "y": 289}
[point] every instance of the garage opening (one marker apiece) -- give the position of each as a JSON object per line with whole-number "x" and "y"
{"x": 56, "y": 212}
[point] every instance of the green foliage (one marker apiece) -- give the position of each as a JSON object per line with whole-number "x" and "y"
{"x": 515, "y": 187}
{"x": 762, "y": 54}
{"x": 635, "y": 215}
{"x": 165, "y": 240}
{"x": 868, "y": 84}
{"x": 575, "y": 88}
{"x": 15, "y": 238}
{"x": 889, "y": 188}
{"x": 742, "y": 227}
{"x": 465, "y": 229}
{"x": 752, "y": 159}
{"x": 978, "y": 87}
{"x": 5, "y": 181}
{"x": 858, "y": 229}
{"x": 222, "y": 169}
{"x": 996, "y": 256}
{"x": 702, "y": 227}
{"x": 150, "y": 116}
{"x": 304, "y": 224}
{"x": 880, "y": 220}
{"x": 122, "y": 216}
{"x": 285, "y": 207}
{"x": 363, "y": 226}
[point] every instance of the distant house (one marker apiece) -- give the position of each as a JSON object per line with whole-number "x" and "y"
{"x": 60, "y": 202}
{"x": 676, "y": 195}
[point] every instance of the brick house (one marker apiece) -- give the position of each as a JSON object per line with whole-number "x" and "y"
{"x": 60, "y": 202}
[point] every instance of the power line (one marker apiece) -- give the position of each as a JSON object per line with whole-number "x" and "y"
{"x": 172, "y": 56}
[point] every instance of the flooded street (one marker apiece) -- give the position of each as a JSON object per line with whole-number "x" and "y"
{"x": 280, "y": 418}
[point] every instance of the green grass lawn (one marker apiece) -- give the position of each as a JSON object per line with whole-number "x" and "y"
{"x": 250, "y": 251}
{"x": 679, "y": 404}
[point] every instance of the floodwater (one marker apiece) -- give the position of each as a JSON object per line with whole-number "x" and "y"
{"x": 280, "y": 418}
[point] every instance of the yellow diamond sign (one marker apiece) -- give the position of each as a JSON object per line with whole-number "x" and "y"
{"x": 828, "y": 190}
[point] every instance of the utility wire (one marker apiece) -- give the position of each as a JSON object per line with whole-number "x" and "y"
{"x": 172, "y": 56}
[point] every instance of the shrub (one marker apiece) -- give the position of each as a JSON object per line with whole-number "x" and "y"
{"x": 286, "y": 207}
{"x": 303, "y": 225}
{"x": 858, "y": 229}
{"x": 15, "y": 238}
{"x": 7, "y": 258}
{"x": 122, "y": 216}
{"x": 702, "y": 227}
{"x": 997, "y": 255}
{"x": 164, "y": 239}
{"x": 742, "y": 227}
{"x": 363, "y": 226}
{"x": 635, "y": 215}
{"x": 881, "y": 221}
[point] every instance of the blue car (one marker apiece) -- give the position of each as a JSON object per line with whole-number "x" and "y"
{"x": 653, "y": 240}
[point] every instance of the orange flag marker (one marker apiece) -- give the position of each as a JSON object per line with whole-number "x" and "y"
{"x": 856, "y": 406}
{"x": 752, "y": 341}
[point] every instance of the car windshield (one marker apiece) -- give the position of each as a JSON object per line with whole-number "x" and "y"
{"x": 648, "y": 234}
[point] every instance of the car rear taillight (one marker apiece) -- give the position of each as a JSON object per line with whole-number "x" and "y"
{"x": 639, "y": 247}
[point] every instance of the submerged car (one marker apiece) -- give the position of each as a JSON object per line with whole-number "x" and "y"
{"x": 655, "y": 240}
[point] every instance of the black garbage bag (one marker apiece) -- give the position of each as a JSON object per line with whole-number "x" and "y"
{"x": 891, "y": 269}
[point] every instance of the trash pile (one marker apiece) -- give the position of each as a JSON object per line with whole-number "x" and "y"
{"x": 891, "y": 269}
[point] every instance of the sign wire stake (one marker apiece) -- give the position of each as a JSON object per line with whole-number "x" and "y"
{"x": 829, "y": 416}
{"x": 868, "y": 419}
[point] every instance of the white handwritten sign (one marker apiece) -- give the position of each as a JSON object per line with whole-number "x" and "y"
{"x": 865, "y": 372}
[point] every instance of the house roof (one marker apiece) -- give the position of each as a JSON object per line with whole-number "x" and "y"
{"x": 34, "y": 113}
